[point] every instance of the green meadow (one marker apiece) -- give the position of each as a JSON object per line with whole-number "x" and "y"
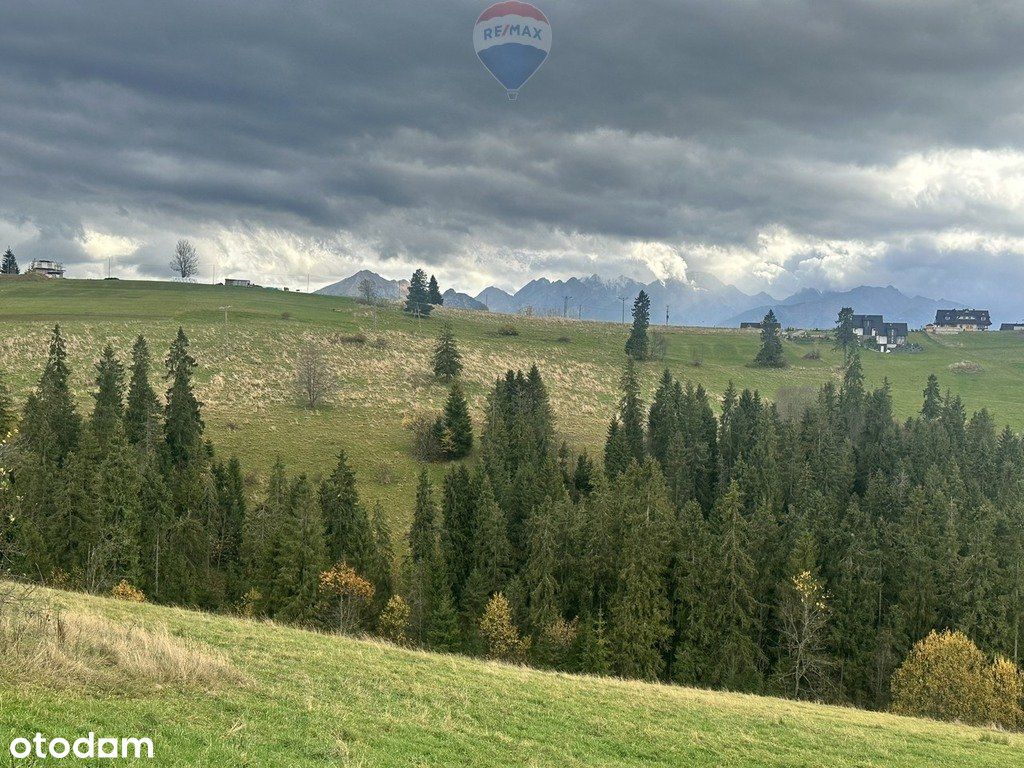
{"x": 220, "y": 691}
{"x": 381, "y": 361}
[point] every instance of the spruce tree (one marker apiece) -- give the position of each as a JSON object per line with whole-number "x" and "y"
{"x": 142, "y": 414}
{"x": 118, "y": 485}
{"x": 154, "y": 529}
{"x": 51, "y": 424}
{"x": 447, "y": 361}
{"x": 109, "y": 396}
{"x": 639, "y": 609}
{"x": 301, "y": 555}
{"x": 631, "y": 411}
{"x": 738, "y": 662}
{"x": 932, "y": 407}
{"x": 183, "y": 425}
{"x": 261, "y": 537}
{"x": 349, "y": 537}
{"x": 638, "y": 345}
{"x": 229, "y": 521}
{"x": 9, "y": 266}
{"x": 456, "y": 425}
{"x": 381, "y": 570}
{"x": 770, "y": 355}
{"x": 434, "y": 293}
{"x": 845, "y": 338}
{"x": 417, "y": 301}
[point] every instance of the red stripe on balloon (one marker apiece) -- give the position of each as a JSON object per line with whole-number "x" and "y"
{"x": 512, "y": 8}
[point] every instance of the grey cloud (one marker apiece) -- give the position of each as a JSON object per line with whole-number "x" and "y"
{"x": 371, "y": 131}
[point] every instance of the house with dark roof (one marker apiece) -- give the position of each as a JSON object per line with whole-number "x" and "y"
{"x": 887, "y": 336}
{"x": 750, "y": 326}
{"x": 1012, "y": 327}
{"x": 957, "y": 320}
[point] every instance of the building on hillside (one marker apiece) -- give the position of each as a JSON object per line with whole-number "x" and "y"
{"x": 1012, "y": 327}
{"x": 957, "y": 320}
{"x": 867, "y": 326}
{"x": 237, "y": 282}
{"x": 750, "y": 326}
{"x": 887, "y": 336}
{"x": 46, "y": 268}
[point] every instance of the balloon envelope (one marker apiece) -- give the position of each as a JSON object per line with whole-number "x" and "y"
{"x": 512, "y": 40}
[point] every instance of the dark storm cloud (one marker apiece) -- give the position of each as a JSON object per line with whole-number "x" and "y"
{"x": 778, "y": 139}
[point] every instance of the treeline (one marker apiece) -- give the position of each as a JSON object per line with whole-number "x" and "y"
{"x": 738, "y": 550}
{"x": 133, "y": 493}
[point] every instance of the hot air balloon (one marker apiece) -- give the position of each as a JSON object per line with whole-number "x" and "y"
{"x": 512, "y": 40}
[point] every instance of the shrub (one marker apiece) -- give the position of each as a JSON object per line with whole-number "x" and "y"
{"x": 351, "y": 594}
{"x": 946, "y": 677}
{"x": 426, "y": 438}
{"x": 286, "y": 315}
{"x": 393, "y": 622}
{"x": 125, "y": 590}
{"x": 964, "y": 367}
{"x": 814, "y": 354}
{"x": 564, "y": 339}
{"x": 508, "y": 330}
{"x": 351, "y": 338}
{"x": 500, "y": 634}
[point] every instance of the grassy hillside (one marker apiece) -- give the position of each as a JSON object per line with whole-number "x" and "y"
{"x": 246, "y": 367}
{"x": 212, "y": 690}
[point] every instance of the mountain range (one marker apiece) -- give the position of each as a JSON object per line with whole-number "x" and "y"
{"x": 701, "y": 300}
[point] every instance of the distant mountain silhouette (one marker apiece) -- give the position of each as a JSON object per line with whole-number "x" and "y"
{"x": 811, "y": 308}
{"x": 455, "y": 300}
{"x": 384, "y": 288}
{"x": 702, "y": 299}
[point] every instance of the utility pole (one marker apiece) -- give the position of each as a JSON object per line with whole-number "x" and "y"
{"x": 565, "y": 306}
{"x": 623, "y": 300}
{"x": 666, "y": 314}
{"x": 307, "y": 281}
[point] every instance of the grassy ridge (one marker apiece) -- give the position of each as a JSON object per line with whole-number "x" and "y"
{"x": 246, "y": 367}
{"x": 308, "y": 699}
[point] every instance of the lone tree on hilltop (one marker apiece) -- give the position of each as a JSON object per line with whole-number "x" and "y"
{"x": 10, "y": 264}
{"x": 418, "y": 300}
{"x": 638, "y": 345}
{"x": 185, "y": 262}
{"x": 770, "y": 354}
{"x": 447, "y": 359}
{"x": 434, "y": 293}
{"x": 846, "y": 339}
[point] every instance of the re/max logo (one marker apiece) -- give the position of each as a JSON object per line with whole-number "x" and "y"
{"x": 519, "y": 30}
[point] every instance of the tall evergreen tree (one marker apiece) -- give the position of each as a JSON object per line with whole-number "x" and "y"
{"x": 845, "y": 338}
{"x": 739, "y": 661}
{"x": 9, "y": 266}
{"x": 638, "y": 344}
{"x": 631, "y": 411}
{"x": 932, "y": 407}
{"x": 447, "y": 361}
{"x": 456, "y": 427}
{"x": 349, "y": 537}
{"x": 142, "y": 415}
{"x": 118, "y": 486}
{"x": 108, "y": 412}
{"x": 434, "y": 293}
{"x": 381, "y": 570}
{"x": 261, "y": 535}
{"x": 770, "y": 355}
{"x": 417, "y": 301}
{"x": 301, "y": 555}
{"x": 183, "y": 425}
{"x": 51, "y": 424}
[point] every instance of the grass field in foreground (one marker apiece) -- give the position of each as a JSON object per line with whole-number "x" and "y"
{"x": 246, "y": 367}
{"x": 275, "y": 696}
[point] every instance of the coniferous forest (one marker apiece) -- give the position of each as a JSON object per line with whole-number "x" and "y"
{"x": 720, "y": 545}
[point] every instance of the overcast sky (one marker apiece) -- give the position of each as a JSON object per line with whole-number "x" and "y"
{"x": 776, "y": 145}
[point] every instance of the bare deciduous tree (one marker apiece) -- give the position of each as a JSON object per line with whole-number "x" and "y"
{"x": 367, "y": 291}
{"x": 185, "y": 262}
{"x": 314, "y": 380}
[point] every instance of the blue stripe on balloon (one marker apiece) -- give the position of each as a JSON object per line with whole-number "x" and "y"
{"x": 512, "y": 63}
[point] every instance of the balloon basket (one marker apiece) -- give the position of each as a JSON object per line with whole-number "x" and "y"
{"x": 513, "y": 95}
